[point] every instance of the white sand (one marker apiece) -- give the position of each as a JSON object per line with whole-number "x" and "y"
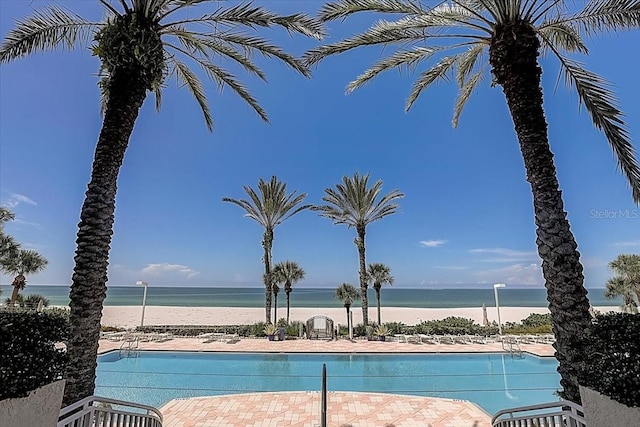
{"x": 130, "y": 316}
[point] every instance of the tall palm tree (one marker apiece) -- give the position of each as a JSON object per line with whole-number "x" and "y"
{"x": 139, "y": 48}
{"x": 626, "y": 283}
{"x": 379, "y": 274}
{"x": 356, "y": 205}
{"x": 288, "y": 273}
{"x": 269, "y": 207}
{"x": 22, "y": 263}
{"x": 347, "y": 294}
{"x": 454, "y": 39}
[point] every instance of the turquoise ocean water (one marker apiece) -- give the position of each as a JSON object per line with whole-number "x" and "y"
{"x": 312, "y": 297}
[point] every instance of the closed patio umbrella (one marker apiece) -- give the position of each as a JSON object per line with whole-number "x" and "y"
{"x": 485, "y": 319}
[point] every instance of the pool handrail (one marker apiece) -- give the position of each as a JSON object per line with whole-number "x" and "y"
{"x": 561, "y": 413}
{"x": 85, "y": 412}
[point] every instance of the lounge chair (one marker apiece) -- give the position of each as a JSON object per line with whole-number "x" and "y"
{"x": 429, "y": 339}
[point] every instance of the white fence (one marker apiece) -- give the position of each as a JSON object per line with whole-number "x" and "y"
{"x": 94, "y": 411}
{"x": 556, "y": 414}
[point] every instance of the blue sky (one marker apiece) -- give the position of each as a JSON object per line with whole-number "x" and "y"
{"x": 467, "y": 217}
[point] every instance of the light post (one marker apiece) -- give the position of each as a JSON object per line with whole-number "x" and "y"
{"x": 144, "y": 299}
{"x": 495, "y": 293}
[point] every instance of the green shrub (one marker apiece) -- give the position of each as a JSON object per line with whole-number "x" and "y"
{"x": 32, "y": 301}
{"x": 293, "y": 329}
{"x": 29, "y": 358}
{"x": 58, "y": 312}
{"x": 537, "y": 320}
{"x": 19, "y": 301}
{"x": 394, "y": 328}
{"x": 612, "y": 362}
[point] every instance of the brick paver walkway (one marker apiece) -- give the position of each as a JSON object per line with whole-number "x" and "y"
{"x": 302, "y": 409}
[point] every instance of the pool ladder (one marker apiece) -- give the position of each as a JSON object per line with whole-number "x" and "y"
{"x": 129, "y": 346}
{"x": 511, "y": 346}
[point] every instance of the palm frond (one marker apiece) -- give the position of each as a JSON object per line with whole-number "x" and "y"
{"x": 563, "y": 37}
{"x": 211, "y": 45}
{"x": 271, "y": 205}
{"x": 606, "y": 15}
{"x": 433, "y": 74}
{"x": 467, "y": 61}
{"x": 344, "y": 8}
{"x": 465, "y": 93}
{"x": 368, "y": 38}
{"x": 352, "y": 203}
{"x": 157, "y": 92}
{"x": 265, "y": 48}
{"x": 195, "y": 87}
{"x": 45, "y": 31}
{"x": 224, "y": 78}
{"x": 252, "y": 16}
{"x": 601, "y": 104}
{"x": 443, "y": 15}
{"x": 402, "y": 58}
{"x": 152, "y": 9}
{"x": 180, "y": 5}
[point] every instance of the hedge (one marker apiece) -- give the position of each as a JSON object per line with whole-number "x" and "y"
{"x": 612, "y": 364}
{"x": 29, "y": 358}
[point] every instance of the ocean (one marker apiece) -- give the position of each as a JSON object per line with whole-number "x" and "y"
{"x": 311, "y": 297}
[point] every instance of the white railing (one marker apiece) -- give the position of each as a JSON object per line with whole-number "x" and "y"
{"x": 556, "y": 414}
{"x": 94, "y": 411}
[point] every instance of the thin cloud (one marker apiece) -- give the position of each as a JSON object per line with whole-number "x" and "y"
{"x": 15, "y": 199}
{"x": 156, "y": 269}
{"x": 517, "y": 274}
{"x": 451, "y": 267}
{"x": 432, "y": 243}
{"x": 627, "y": 244}
{"x": 506, "y": 255}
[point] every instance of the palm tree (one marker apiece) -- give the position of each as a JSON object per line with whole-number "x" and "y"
{"x": 354, "y": 204}
{"x": 8, "y": 245}
{"x": 138, "y": 49}
{"x": 617, "y": 287}
{"x": 454, "y": 39}
{"x": 626, "y": 283}
{"x": 269, "y": 209}
{"x": 379, "y": 274}
{"x": 21, "y": 263}
{"x": 347, "y": 293}
{"x": 288, "y": 272}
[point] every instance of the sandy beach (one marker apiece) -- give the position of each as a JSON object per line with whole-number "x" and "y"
{"x": 130, "y": 316}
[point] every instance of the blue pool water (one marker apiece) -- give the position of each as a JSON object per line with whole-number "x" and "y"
{"x": 492, "y": 380}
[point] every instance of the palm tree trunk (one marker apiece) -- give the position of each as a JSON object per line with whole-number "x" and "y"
{"x": 288, "y": 305}
{"x": 377, "y": 288}
{"x": 267, "y": 242}
{"x": 88, "y": 290}
{"x": 348, "y": 320}
{"x": 275, "y": 308}
{"x": 14, "y": 296}
{"x": 363, "y": 274}
{"x": 513, "y": 57}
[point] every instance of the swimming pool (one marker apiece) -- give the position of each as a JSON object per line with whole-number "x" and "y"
{"x": 492, "y": 380}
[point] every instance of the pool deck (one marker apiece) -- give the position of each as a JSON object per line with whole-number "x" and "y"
{"x": 302, "y": 409}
